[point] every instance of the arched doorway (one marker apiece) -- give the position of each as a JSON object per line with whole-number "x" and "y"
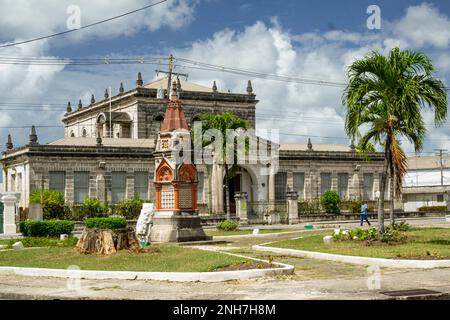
{"x": 241, "y": 182}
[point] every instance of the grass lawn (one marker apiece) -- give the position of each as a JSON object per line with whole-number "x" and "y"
{"x": 244, "y": 232}
{"x": 168, "y": 258}
{"x": 422, "y": 243}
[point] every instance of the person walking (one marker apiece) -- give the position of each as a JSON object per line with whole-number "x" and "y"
{"x": 364, "y": 208}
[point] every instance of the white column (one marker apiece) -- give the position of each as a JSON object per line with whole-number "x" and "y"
{"x": 292, "y": 204}
{"x": 271, "y": 192}
{"x": 9, "y": 200}
{"x": 220, "y": 204}
{"x": 241, "y": 207}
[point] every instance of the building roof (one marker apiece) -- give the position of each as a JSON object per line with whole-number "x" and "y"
{"x": 106, "y": 142}
{"x": 315, "y": 147}
{"x": 185, "y": 85}
{"x": 428, "y": 162}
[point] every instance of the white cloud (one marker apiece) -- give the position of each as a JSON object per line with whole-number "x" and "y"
{"x": 24, "y": 19}
{"x": 424, "y": 25}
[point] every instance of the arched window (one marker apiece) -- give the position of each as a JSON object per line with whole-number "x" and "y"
{"x": 159, "y": 121}
{"x": 72, "y": 134}
{"x": 84, "y": 133}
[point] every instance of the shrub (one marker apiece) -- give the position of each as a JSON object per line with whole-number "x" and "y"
{"x": 130, "y": 209}
{"x": 309, "y": 207}
{"x": 228, "y": 225}
{"x": 53, "y": 204}
{"x": 369, "y": 235}
{"x": 433, "y": 208}
{"x": 91, "y": 208}
{"x": 353, "y": 206}
{"x": 46, "y": 228}
{"x": 107, "y": 223}
{"x": 401, "y": 226}
{"x": 330, "y": 201}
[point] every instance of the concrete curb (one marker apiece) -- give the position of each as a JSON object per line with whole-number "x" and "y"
{"x": 274, "y": 234}
{"x": 379, "y": 262}
{"x": 216, "y": 276}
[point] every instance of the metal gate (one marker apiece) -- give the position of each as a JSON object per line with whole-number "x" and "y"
{"x": 1, "y": 217}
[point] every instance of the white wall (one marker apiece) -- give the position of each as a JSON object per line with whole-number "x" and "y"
{"x": 419, "y": 178}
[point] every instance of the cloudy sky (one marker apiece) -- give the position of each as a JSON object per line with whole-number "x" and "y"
{"x": 308, "y": 39}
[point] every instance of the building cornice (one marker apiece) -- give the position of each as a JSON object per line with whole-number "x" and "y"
{"x": 329, "y": 156}
{"x": 80, "y": 151}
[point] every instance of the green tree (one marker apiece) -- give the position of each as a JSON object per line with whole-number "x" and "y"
{"x": 222, "y": 123}
{"x": 388, "y": 93}
{"x": 53, "y": 204}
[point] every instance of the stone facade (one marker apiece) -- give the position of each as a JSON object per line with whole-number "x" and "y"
{"x": 136, "y": 117}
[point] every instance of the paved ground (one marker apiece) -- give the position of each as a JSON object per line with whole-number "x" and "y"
{"x": 313, "y": 279}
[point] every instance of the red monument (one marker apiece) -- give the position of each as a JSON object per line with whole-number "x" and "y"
{"x": 176, "y": 217}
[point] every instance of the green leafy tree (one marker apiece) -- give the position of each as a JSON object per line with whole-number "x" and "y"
{"x": 330, "y": 201}
{"x": 222, "y": 123}
{"x": 53, "y": 204}
{"x": 388, "y": 93}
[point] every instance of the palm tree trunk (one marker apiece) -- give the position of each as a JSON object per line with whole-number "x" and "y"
{"x": 381, "y": 199}
{"x": 392, "y": 194}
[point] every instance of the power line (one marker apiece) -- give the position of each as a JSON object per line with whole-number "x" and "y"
{"x": 27, "y": 127}
{"x": 83, "y": 27}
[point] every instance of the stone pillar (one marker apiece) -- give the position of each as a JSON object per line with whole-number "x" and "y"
{"x": 271, "y": 192}
{"x": 334, "y": 181}
{"x": 220, "y": 189}
{"x": 241, "y": 207}
{"x": 292, "y": 206}
{"x": 9, "y": 200}
{"x": 101, "y": 187}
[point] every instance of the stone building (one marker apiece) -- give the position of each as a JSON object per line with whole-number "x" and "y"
{"x": 107, "y": 152}
{"x": 426, "y": 183}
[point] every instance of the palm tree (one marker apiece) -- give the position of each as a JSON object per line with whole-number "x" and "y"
{"x": 222, "y": 123}
{"x": 387, "y": 94}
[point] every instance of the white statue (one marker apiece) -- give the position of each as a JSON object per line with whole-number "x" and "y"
{"x": 145, "y": 222}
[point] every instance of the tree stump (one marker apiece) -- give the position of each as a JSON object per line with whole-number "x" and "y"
{"x": 107, "y": 241}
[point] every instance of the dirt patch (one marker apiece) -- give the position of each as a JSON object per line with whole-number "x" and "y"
{"x": 247, "y": 266}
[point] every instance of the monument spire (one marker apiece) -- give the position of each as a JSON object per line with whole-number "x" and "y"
{"x": 174, "y": 117}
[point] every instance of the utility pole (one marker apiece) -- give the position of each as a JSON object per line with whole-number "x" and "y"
{"x": 110, "y": 112}
{"x": 441, "y": 164}
{"x": 170, "y": 73}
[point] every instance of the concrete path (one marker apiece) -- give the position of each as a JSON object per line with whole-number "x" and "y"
{"x": 313, "y": 279}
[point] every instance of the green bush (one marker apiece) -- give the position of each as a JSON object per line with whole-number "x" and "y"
{"x": 130, "y": 209}
{"x": 369, "y": 235}
{"x": 401, "y": 226}
{"x": 53, "y": 204}
{"x": 107, "y": 223}
{"x": 433, "y": 208}
{"x": 309, "y": 207}
{"x": 330, "y": 201}
{"x": 92, "y": 208}
{"x": 46, "y": 228}
{"x": 228, "y": 225}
